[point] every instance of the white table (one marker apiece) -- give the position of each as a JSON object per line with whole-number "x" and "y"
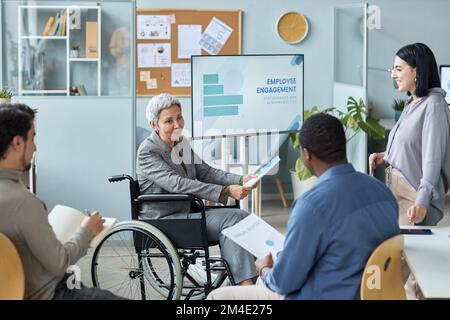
{"x": 428, "y": 257}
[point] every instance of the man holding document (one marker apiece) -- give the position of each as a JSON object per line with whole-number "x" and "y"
{"x": 332, "y": 230}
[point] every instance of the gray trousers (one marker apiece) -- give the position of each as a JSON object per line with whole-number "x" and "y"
{"x": 64, "y": 292}
{"x": 241, "y": 262}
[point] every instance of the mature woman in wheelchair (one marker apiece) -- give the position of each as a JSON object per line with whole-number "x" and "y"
{"x": 167, "y": 164}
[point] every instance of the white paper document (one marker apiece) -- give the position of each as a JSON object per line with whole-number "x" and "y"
{"x": 215, "y": 36}
{"x": 181, "y": 75}
{"x": 153, "y": 27}
{"x": 256, "y": 236}
{"x": 65, "y": 221}
{"x": 188, "y": 40}
{"x": 262, "y": 171}
{"x": 154, "y": 55}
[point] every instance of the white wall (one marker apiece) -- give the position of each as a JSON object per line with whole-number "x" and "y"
{"x": 404, "y": 22}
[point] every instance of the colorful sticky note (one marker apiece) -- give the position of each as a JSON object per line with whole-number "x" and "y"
{"x": 152, "y": 84}
{"x": 145, "y": 75}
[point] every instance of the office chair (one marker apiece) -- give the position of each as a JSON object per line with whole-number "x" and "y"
{"x": 12, "y": 277}
{"x": 382, "y": 278}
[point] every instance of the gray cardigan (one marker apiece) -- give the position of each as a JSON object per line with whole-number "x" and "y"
{"x": 24, "y": 220}
{"x": 419, "y": 146}
{"x": 178, "y": 170}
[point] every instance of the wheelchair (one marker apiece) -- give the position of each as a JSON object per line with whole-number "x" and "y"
{"x": 159, "y": 258}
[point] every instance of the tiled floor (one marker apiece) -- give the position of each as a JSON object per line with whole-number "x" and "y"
{"x": 272, "y": 211}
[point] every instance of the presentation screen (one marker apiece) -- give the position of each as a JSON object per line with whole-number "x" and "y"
{"x": 246, "y": 94}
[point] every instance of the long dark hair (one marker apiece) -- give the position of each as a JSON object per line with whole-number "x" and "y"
{"x": 419, "y": 56}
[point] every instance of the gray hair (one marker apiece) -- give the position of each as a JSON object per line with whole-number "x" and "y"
{"x": 158, "y": 103}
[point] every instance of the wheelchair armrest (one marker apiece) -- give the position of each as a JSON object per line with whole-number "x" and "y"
{"x": 236, "y": 205}
{"x": 222, "y": 207}
{"x": 166, "y": 197}
{"x": 120, "y": 177}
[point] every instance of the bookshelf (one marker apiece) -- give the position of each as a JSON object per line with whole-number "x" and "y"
{"x": 46, "y": 36}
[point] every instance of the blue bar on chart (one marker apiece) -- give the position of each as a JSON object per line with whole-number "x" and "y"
{"x": 222, "y": 100}
{"x": 220, "y": 111}
{"x": 210, "y": 79}
{"x": 213, "y": 89}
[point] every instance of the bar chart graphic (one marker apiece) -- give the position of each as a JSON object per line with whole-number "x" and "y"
{"x": 215, "y": 102}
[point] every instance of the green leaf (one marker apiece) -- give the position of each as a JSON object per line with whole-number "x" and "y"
{"x": 354, "y": 119}
{"x": 302, "y": 172}
{"x": 6, "y": 94}
{"x": 374, "y": 129}
{"x": 295, "y": 139}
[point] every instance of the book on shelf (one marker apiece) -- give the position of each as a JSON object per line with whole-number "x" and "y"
{"x": 66, "y": 220}
{"x": 60, "y": 25}
{"x": 64, "y": 23}
{"x": 54, "y": 27}
{"x": 82, "y": 90}
{"x": 48, "y": 26}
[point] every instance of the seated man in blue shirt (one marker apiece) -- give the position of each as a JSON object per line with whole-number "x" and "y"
{"x": 332, "y": 230}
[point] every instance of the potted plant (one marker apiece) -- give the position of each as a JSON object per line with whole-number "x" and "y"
{"x": 398, "y": 105}
{"x": 75, "y": 51}
{"x": 354, "y": 119}
{"x": 5, "y": 95}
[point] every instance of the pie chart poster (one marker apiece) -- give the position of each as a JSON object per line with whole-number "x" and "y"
{"x": 235, "y": 95}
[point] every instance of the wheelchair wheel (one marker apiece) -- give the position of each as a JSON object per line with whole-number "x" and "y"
{"x": 137, "y": 261}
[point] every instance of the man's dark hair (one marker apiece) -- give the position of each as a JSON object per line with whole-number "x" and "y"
{"x": 15, "y": 120}
{"x": 419, "y": 56}
{"x": 324, "y": 136}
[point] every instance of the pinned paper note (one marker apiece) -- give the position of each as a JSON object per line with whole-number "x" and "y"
{"x": 154, "y": 55}
{"x": 153, "y": 27}
{"x": 181, "y": 75}
{"x": 152, "y": 84}
{"x": 215, "y": 36}
{"x": 189, "y": 36}
{"x": 145, "y": 75}
{"x": 171, "y": 18}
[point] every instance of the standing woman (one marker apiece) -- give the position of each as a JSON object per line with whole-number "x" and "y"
{"x": 418, "y": 150}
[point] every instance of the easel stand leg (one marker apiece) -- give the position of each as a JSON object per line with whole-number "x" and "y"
{"x": 243, "y": 153}
{"x": 281, "y": 191}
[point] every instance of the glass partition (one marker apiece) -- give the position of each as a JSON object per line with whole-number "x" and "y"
{"x": 73, "y": 62}
{"x": 67, "y": 48}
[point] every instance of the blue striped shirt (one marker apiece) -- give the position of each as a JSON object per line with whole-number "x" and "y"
{"x": 332, "y": 230}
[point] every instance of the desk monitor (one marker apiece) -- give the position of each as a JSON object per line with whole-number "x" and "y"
{"x": 246, "y": 94}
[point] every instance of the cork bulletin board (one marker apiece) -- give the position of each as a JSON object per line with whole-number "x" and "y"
{"x": 165, "y": 69}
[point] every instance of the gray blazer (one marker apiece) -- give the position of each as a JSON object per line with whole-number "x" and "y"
{"x": 180, "y": 170}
